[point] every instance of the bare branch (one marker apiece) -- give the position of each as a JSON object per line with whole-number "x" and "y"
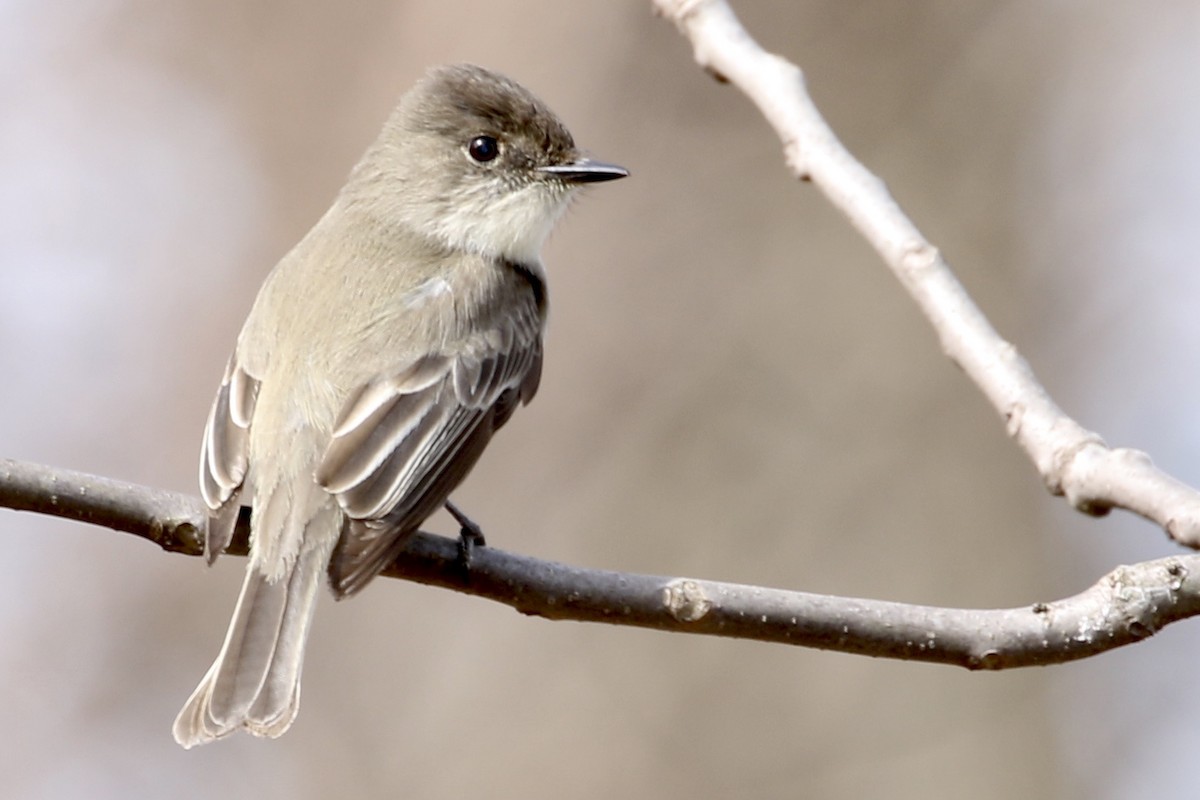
{"x": 1072, "y": 461}
{"x": 173, "y": 521}
{"x": 1126, "y": 606}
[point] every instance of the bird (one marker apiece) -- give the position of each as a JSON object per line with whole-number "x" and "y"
{"x": 379, "y": 357}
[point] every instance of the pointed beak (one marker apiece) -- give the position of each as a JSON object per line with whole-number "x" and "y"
{"x": 585, "y": 170}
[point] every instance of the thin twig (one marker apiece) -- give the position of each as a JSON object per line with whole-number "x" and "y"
{"x": 1072, "y": 461}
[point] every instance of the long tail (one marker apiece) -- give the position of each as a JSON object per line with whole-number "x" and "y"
{"x": 255, "y": 681}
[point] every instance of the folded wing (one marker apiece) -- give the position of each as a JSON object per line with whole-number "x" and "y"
{"x": 224, "y": 455}
{"x": 405, "y": 440}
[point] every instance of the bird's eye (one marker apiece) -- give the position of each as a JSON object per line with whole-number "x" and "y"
{"x": 483, "y": 148}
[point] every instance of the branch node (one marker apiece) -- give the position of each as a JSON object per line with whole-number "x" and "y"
{"x": 793, "y": 155}
{"x": 686, "y": 600}
{"x": 986, "y": 660}
{"x": 1013, "y": 418}
{"x": 1184, "y": 531}
{"x": 1139, "y": 630}
{"x": 715, "y": 74}
{"x": 918, "y": 255}
{"x": 1071, "y": 473}
{"x": 185, "y": 538}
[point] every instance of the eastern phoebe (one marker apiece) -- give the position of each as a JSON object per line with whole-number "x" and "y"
{"x": 381, "y": 354}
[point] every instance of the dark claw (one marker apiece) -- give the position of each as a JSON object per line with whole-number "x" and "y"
{"x": 470, "y": 535}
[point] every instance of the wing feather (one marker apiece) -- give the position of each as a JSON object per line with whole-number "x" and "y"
{"x": 224, "y": 455}
{"x": 405, "y": 441}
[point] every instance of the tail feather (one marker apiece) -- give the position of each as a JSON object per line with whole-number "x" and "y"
{"x": 255, "y": 681}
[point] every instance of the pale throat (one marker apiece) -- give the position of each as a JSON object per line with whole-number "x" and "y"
{"x": 512, "y": 227}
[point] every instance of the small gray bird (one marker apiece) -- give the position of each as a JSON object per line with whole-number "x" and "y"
{"x": 379, "y": 358}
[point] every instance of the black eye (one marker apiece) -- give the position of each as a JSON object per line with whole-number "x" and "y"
{"x": 483, "y": 148}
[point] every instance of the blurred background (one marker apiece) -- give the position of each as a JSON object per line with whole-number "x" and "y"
{"x": 735, "y": 388}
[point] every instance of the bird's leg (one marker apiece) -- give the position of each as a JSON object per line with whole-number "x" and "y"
{"x": 470, "y": 535}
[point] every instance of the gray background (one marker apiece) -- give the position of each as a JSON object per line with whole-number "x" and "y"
{"x": 735, "y": 388}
